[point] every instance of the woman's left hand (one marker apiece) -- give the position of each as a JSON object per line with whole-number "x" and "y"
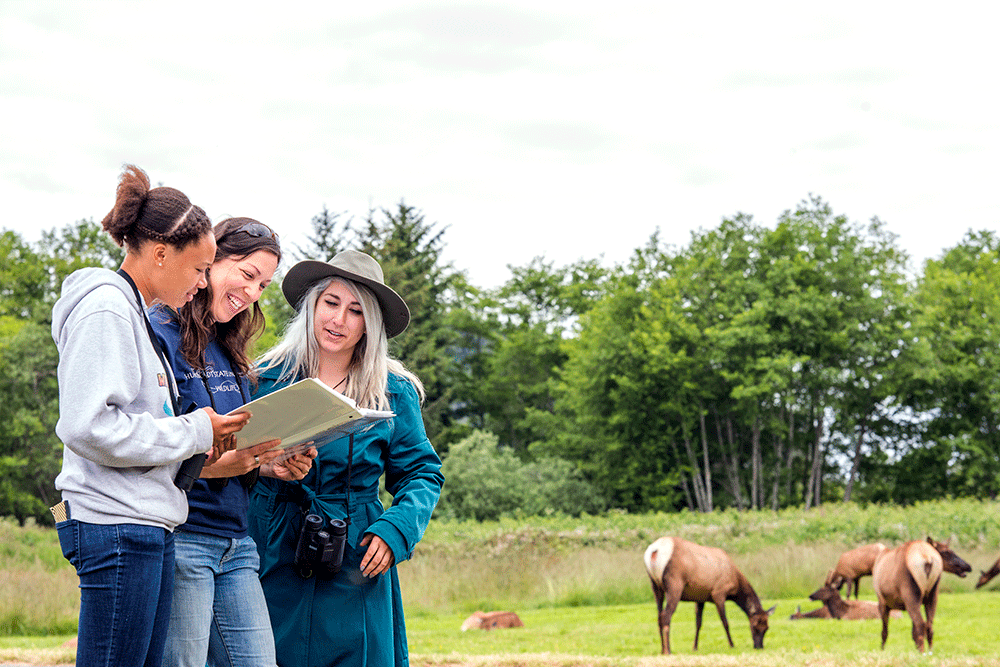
{"x": 240, "y": 461}
{"x": 293, "y": 468}
{"x": 378, "y": 558}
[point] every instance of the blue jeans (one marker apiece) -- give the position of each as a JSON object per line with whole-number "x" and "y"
{"x": 126, "y": 582}
{"x": 219, "y": 615}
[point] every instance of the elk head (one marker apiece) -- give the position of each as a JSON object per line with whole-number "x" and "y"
{"x": 951, "y": 561}
{"x": 758, "y": 626}
{"x": 823, "y": 594}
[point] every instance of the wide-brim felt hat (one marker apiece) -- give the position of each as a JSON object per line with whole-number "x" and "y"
{"x": 352, "y": 265}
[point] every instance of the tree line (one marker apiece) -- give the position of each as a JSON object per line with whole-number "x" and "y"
{"x": 757, "y": 366}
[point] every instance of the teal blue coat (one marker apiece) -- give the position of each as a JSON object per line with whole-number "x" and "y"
{"x": 349, "y": 619}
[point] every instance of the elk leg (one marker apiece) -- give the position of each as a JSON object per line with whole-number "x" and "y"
{"x": 721, "y": 606}
{"x": 668, "y": 612}
{"x": 857, "y": 585}
{"x": 699, "y": 607}
{"x": 930, "y": 608}
{"x": 910, "y": 593}
{"x": 919, "y": 628}
{"x": 883, "y": 611}
{"x": 658, "y": 594}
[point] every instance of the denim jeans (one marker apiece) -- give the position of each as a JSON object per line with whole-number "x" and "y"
{"x": 219, "y": 615}
{"x": 126, "y": 582}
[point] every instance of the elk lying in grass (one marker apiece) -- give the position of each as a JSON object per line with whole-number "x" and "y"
{"x": 684, "y": 571}
{"x": 847, "y": 610}
{"x": 822, "y": 612}
{"x": 852, "y": 565}
{"x": 492, "y": 619}
{"x": 908, "y": 576}
{"x": 986, "y": 576}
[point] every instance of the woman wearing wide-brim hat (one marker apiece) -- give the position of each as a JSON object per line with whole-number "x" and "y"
{"x": 345, "y": 314}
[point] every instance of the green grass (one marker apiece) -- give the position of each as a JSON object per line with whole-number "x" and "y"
{"x": 965, "y": 628}
{"x": 531, "y": 578}
{"x": 580, "y": 586}
{"x": 620, "y": 635}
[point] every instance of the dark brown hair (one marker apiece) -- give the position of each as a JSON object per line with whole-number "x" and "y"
{"x": 160, "y": 214}
{"x": 234, "y": 238}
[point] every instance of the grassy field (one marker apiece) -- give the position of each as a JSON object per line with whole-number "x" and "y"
{"x": 580, "y": 587}
{"x": 965, "y": 634}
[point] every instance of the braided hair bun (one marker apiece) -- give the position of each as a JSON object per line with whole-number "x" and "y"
{"x": 159, "y": 214}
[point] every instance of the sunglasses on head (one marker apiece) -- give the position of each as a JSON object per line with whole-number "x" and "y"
{"x": 257, "y": 230}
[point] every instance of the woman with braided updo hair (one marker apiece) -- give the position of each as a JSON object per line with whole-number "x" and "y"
{"x": 123, "y": 433}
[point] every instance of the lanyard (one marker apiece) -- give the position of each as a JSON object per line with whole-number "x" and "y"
{"x": 155, "y": 342}
{"x": 208, "y": 388}
{"x": 247, "y": 479}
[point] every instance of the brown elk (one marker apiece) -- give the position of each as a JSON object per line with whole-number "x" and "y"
{"x": 986, "y": 576}
{"x": 852, "y": 565}
{"x": 848, "y": 610}
{"x": 908, "y": 576}
{"x": 684, "y": 571}
{"x": 492, "y": 619}
{"x": 822, "y": 612}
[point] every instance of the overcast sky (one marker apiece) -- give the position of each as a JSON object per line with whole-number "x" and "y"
{"x": 565, "y": 129}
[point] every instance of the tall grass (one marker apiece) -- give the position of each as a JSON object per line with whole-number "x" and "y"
{"x": 564, "y": 562}
{"x": 539, "y": 562}
{"x": 38, "y": 588}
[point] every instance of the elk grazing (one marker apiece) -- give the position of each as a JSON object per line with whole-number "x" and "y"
{"x": 847, "y": 610}
{"x": 852, "y": 565}
{"x": 684, "y": 571}
{"x": 986, "y": 576}
{"x": 492, "y": 619}
{"x": 908, "y": 576}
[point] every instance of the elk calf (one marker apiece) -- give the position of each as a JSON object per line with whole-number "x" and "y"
{"x": 684, "y": 571}
{"x": 822, "y": 612}
{"x": 848, "y": 610}
{"x": 492, "y": 619}
{"x": 852, "y": 565}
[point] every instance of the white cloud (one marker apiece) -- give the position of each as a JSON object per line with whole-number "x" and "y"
{"x": 557, "y": 128}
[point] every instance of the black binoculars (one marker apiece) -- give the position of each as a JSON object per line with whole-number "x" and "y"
{"x": 320, "y": 551}
{"x": 189, "y": 472}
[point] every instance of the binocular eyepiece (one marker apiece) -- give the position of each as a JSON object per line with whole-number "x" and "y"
{"x": 319, "y": 551}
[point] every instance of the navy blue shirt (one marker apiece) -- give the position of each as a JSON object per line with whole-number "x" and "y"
{"x": 211, "y": 509}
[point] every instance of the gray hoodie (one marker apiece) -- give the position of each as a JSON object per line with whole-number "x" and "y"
{"x": 123, "y": 445}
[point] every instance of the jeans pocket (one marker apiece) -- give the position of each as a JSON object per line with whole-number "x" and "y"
{"x": 68, "y": 541}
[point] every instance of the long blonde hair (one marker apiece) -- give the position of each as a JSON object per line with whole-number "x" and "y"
{"x": 297, "y": 353}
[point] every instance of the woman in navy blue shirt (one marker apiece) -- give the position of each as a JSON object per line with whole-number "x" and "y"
{"x": 219, "y": 616}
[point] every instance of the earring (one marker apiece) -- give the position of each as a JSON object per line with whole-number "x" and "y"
{"x": 159, "y": 263}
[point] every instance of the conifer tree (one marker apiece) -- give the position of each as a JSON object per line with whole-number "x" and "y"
{"x": 410, "y": 252}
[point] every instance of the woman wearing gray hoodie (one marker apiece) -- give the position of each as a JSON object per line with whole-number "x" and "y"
{"x": 124, "y": 440}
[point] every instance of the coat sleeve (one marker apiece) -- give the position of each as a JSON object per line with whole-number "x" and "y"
{"x": 413, "y": 477}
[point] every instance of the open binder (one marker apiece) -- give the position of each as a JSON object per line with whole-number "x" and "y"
{"x": 304, "y": 412}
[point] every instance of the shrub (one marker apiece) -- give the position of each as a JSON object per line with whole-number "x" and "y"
{"x": 485, "y": 481}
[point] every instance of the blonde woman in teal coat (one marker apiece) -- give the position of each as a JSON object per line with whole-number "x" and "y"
{"x": 354, "y": 616}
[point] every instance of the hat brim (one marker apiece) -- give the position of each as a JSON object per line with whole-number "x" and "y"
{"x": 298, "y": 280}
